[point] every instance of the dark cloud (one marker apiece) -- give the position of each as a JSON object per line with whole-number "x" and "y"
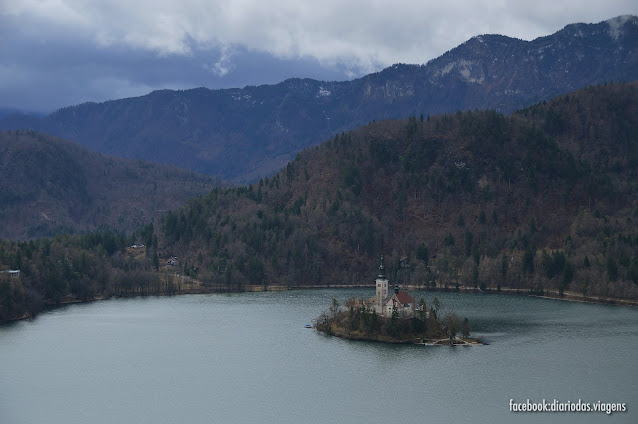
{"x": 54, "y": 54}
{"x": 45, "y": 76}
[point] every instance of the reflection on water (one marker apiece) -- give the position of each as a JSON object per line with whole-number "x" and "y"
{"x": 248, "y": 358}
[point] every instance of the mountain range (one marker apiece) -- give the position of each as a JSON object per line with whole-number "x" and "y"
{"x": 246, "y": 133}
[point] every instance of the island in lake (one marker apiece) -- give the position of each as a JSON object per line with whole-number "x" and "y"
{"x": 394, "y": 318}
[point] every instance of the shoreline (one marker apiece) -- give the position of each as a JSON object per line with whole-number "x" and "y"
{"x": 548, "y": 294}
{"x": 194, "y": 286}
{"x": 458, "y": 341}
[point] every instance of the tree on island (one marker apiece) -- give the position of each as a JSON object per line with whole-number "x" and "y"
{"x": 436, "y": 307}
{"x": 465, "y": 328}
{"x": 334, "y": 307}
{"x": 452, "y": 324}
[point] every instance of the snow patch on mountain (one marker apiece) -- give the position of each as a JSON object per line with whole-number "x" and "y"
{"x": 616, "y": 25}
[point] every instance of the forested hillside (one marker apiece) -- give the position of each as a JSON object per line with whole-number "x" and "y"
{"x": 52, "y": 186}
{"x": 544, "y": 201}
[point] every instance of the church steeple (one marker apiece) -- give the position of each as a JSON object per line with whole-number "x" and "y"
{"x": 381, "y": 270}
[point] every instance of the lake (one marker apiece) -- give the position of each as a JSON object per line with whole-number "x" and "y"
{"x": 248, "y": 358}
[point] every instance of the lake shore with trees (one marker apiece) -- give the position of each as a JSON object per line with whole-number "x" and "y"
{"x": 541, "y": 202}
{"x": 176, "y": 285}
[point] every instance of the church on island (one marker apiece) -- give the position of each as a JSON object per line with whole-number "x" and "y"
{"x": 384, "y": 304}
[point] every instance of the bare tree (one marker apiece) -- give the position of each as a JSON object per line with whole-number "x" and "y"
{"x": 465, "y": 328}
{"x": 452, "y": 324}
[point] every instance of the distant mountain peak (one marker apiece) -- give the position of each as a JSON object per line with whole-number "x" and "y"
{"x": 617, "y": 24}
{"x": 615, "y": 27}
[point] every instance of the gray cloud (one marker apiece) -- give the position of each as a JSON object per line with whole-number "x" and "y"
{"x": 59, "y": 53}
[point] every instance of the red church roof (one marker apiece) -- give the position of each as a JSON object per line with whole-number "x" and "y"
{"x": 404, "y": 297}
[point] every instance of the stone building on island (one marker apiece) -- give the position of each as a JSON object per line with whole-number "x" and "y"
{"x": 384, "y": 303}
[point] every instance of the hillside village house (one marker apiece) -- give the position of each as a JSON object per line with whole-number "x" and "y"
{"x": 383, "y": 303}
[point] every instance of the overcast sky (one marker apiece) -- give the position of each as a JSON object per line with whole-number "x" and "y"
{"x": 56, "y": 53}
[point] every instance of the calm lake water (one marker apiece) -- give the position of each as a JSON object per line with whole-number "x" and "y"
{"x": 248, "y": 358}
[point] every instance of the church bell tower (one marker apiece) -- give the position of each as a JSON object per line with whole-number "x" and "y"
{"x": 382, "y": 288}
